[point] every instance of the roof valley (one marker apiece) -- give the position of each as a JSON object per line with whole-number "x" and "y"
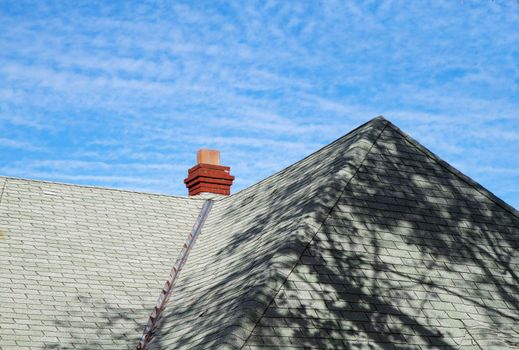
{"x": 168, "y": 289}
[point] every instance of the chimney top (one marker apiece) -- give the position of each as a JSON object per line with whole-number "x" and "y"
{"x": 208, "y": 156}
{"x": 208, "y": 176}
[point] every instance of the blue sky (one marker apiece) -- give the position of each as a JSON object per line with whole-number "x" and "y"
{"x": 122, "y": 94}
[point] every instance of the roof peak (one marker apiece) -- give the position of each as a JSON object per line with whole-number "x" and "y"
{"x": 275, "y": 220}
{"x": 378, "y": 123}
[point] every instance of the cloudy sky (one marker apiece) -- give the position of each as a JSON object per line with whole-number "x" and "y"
{"x": 120, "y": 94}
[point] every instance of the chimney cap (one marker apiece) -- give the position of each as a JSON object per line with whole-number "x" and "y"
{"x": 208, "y": 176}
{"x": 208, "y": 156}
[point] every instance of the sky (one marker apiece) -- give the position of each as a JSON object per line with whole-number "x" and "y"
{"x": 122, "y": 94}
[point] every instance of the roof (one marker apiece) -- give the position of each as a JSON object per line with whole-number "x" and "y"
{"x": 81, "y": 266}
{"x": 372, "y": 242}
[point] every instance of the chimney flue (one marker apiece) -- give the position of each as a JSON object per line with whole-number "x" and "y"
{"x": 208, "y": 176}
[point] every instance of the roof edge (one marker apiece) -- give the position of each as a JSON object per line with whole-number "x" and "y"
{"x": 7, "y": 178}
{"x": 478, "y": 187}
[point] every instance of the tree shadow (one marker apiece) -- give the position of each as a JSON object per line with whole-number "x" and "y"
{"x": 370, "y": 243}
{"x": 108, "y": 326}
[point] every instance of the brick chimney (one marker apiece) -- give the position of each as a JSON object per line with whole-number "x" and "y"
{"x": 208, "y": 176}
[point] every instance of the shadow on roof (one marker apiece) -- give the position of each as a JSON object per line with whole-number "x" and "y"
{"x": 370, "y": 243}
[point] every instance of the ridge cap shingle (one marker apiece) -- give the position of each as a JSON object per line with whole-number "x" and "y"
{"x": 57, "y": 183}
{"x": 373, "y": 121}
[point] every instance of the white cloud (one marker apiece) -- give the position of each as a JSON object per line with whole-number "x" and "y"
{"x": 138, "y": 88}
{"x": 16, "y": 144}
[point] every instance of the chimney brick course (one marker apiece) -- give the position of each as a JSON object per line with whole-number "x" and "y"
{"x": 208, "y": 176}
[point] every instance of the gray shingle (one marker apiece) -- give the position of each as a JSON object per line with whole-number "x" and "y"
{"x": 82, "y": 266}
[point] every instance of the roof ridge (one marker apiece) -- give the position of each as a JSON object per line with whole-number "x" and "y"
{"x": 379, "y": 118}
{"x": 98, "y": 187}
{"x": 474, "y": 184}
{"x": 336, "y": 265}
{"x": 316, "y": 231}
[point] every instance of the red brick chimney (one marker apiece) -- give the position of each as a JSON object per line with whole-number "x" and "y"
{"x": 208, "y": 176}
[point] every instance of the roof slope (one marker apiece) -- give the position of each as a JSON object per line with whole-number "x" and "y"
{"x": 412, "y": 256}
{"x": 251, "y": 241}
{"x": 81, "y": 266}
{"x": 372, "y": 242}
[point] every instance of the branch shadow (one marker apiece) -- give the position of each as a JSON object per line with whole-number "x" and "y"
{"x": 402, "y": 253}
{"x": 107, "y": 326}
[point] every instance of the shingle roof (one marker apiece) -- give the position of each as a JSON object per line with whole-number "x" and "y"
{"x": 411, "y": 256}
{"x": 372, "y": 242}
{"x": 81, "y": 267}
